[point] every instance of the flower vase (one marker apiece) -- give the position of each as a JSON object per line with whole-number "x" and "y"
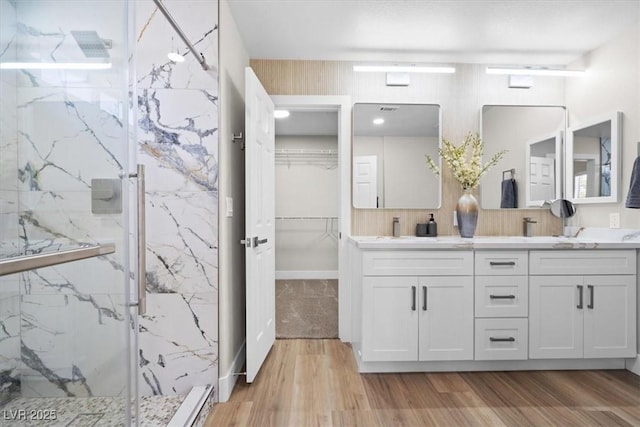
{"x": 467, "y": 213}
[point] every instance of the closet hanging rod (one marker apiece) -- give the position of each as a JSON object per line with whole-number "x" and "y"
{"x": 307, "y": 217}
{"x": 198, "y": 55}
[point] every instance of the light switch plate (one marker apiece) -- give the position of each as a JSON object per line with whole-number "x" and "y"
{"x": 614, "y": 220}
{"x": 455, "y": 218}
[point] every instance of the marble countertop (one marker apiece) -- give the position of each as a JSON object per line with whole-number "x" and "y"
{"x": 587, "y": 240}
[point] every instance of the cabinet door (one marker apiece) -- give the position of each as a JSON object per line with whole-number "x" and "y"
{"x": 446, "y": 318}
{"x": 555, "y": 321}
{"x": 390, "y": 319}
{"x": 609, "y": 316}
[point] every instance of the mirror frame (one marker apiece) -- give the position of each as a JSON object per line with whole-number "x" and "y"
{"x": 616, "y": 141}
{"x": 558, "y": 137}
{"x": 427, "y": 169}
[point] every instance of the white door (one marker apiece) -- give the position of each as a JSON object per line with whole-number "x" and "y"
{"x": 365, "y": 181}
{"x": 609, "y": 316}
{"x": 260, "y": 230}
{"x": 542, "y": 183}
{"x": 390, "y": 319}
{"x": 446, "y": 318}
{"x": 556, "y": 317}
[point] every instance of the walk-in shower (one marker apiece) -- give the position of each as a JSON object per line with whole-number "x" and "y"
{"x": 76, "y": 347}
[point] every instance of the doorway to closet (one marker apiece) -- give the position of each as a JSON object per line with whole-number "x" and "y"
{"x": 307, "y": 228}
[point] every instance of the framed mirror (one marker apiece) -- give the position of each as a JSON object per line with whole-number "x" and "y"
{"x": 528, "y": 133}
{"x": 390, "y": 142}
{"x": 593, "y": 165}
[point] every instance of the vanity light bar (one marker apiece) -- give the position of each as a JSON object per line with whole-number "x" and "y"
{"x": 403, "y": 69}
{"x": 535, "y": 72}
{"x": 55, "y": 66}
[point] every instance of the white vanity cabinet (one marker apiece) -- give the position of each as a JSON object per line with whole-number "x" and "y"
{"x": 417, "y": 306}
{"x": 582, "y": 304}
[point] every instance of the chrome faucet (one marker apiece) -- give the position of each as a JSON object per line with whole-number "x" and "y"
{"x": 527, "y": 226}
{"x": 396, "y": 226}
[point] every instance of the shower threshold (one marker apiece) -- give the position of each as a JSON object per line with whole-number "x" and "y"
{"x": 87, "y": 411}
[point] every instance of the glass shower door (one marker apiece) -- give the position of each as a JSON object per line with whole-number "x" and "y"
{"x": 67, "y": 331}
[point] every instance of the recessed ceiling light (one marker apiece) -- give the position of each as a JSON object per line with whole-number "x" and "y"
{"x": 378, "y": 121}
{"x": 281, "y": 114}
{"x": 535, "y": 72}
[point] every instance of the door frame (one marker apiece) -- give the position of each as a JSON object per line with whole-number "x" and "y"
{"x": 343, "y": 106}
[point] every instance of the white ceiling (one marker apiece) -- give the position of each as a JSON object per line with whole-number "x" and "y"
{"x": 505, "y": 32}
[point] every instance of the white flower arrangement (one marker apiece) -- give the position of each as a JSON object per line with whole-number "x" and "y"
{"x": 466, "y": 169}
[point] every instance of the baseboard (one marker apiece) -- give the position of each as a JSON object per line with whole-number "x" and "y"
{"x": 226, "y": 383}
{"x": 633, "y": 365}
{"x": 306, "y": 274}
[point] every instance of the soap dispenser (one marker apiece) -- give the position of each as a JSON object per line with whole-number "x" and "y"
{"x": 432, "y": 227}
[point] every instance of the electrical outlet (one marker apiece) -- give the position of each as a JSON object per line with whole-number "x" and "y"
{"x": 614, "y": 220}
{"x": 229, "y": 207}
{"x": 455, "y": 218}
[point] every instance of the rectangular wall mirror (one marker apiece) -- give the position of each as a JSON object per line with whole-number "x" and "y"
{"x": 531, "y": 170}
{"x": 593, "y": 169}
{"x": 390, "y": 142}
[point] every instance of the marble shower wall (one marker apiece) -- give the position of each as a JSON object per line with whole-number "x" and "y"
{"x": 9, "y": 292}
{"x": 63, "y": 129}
{"x": 177, "y": 115}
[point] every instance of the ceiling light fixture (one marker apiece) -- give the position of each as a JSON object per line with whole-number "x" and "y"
{"x": 535, "y": 72}
{"x": 403, "y": 69}
{"x": 55, "y": 65}
{"x": 281, "y": 114}
{"x": 378, "y": 121}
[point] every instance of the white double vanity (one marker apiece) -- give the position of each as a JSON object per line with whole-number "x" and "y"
{"x": 493, "y": 303}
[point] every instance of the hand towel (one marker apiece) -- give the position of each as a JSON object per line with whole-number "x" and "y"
{"x": 509, "y": 197}
{"x": 633, "y": 196}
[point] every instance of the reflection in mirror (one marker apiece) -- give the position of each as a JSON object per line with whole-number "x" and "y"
{"x": 542, "y": 165}
{"x": 390, "y": 142}
{"x": 593, "y": 168}
{"x": 526, "y": 132}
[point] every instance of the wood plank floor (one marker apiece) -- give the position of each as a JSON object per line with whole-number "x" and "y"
{"x": 315, "y": 383}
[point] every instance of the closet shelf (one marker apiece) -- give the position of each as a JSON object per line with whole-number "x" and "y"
{"x": 325, "y": 158}
{"x": 306, "y": 217}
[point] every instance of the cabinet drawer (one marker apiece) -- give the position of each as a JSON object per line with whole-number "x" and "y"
{"x": 417, "y": 263}
{"x": 583, "y": 262}
{"x": 502, "y": 296}
{"x": 496, "y": 263}
{"x": 501, "y": 339}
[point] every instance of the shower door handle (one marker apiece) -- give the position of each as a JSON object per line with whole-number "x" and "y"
{"x": 142, "y": 241}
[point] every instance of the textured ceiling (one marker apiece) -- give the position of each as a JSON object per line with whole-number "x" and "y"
{"x": 507, "y": 32}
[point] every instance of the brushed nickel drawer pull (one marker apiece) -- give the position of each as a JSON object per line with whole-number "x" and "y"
{"x": 502, "y": 263}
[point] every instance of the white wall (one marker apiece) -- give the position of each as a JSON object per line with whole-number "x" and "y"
{"x": 233, "y": 59}
{"x": 611, "y": 84}
{"x": 306, "y": 190}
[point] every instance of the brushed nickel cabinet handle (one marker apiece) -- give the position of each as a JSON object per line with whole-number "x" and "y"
{"x": 590, "y": 287}
{"x": 497, "y": 263}
{"x": 424, "y": 298}
{"x": 413, "y": 298}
